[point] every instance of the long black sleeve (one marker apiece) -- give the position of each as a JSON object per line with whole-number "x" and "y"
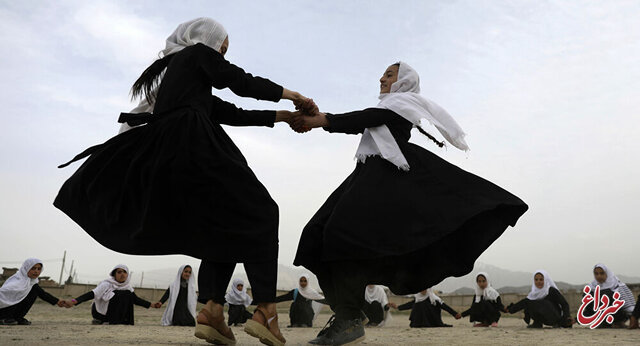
{"x": 448, "y": 309}
{"x": 557, "y": 297}
{"x": 407, "y": 305}
{"x": 227, "y": 113}
{"x": 44, "y": 295}
{"x": 513, "y": 308}
{"x": 83, "y": 298}
{"x": 165, "y": 296}
{"x": 141, "y": 302}
{"x": 223, "y": 74}
{"x": 356, "y": 122}
{"x": 285, "y": 297}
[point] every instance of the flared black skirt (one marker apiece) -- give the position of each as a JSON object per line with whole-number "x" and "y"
{"x": 178, "y": 185}
{"x": 408, "y": 230}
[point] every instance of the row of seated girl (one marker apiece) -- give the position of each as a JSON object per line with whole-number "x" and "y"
{"x": 113, "y": 298}
{"x": 544, "y": 305}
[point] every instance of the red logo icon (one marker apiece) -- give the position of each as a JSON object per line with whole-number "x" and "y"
{"x": 602, "y": 310}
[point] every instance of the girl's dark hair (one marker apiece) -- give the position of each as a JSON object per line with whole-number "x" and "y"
{"x": 187, "y": 266}
{"x": 479, "y": 275}
{"x": 113, "y": 272}
{"x": 440, "y": 144}
{"x": 149, "y": 79}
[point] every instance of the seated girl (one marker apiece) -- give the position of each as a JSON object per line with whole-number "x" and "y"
{"x": 20, "y": 291}
{"x": 544, "y": 304}
{"x": 376, "y": 306}
{"x": 426, "y": 310}
{"x": 238, "y": 300}
{"x": 486, "y": 306}
{"x": 609, "y": 284}
{"x": 304, "y": 307}
{"x": 113, "y": 299}
{"x": 182, "y": 297}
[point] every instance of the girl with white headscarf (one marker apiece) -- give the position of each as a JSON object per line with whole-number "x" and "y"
{"x": 426, "y": 310}
{"x": 486, "y": 306}
{"x": 305, "y": 303}
{"x": 376, "y": 306}
{"x": 400, "y": 218}
{"x": 238, "y": 300}
{"x": 19, "y": 292}
{"x": 181, "y": 310}
{"x": 544, "y": 304}
{"x": 609, "y": 284}
{"x": 113, "y": 299}
{"x": 174, "y": 182}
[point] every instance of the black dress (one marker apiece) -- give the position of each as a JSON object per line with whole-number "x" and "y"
{"x": 19, "y": 310}
{"x": 120, "y": 308}
{"x": 238, "y": 314}
{"x": 426, "y": 315}
{"x": 301, "y": 310}
{"x": 552, "y": 310}
{"x": 179, "y": 184}
{"x": 386, "y": 220}
{"x": 374, "y": 312}
{"x": 181, "y": 314}
{"x": 484, "y": 311}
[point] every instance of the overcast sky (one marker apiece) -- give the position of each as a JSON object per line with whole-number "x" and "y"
{"x": 547, "y": 91}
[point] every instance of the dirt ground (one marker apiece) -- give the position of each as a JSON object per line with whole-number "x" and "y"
{"x": 58, "y": 326}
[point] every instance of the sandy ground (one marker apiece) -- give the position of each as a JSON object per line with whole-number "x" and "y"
{"x": 58, "y": 326}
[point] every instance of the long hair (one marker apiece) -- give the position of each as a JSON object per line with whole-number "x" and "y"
{"x": 150, "y": 79}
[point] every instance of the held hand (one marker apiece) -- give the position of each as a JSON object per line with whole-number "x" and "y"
{"x": 458, "y": 316}
{"x": 297, "y": 123}
{"x": 393, "y": 305}
{"x": 157, "y": 305}
{"x": 69, "y": 303}
{"x": 60, "y": 303}
{"x": 308, "y": 107}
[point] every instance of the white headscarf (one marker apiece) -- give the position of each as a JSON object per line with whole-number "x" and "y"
{"x": 104, "y": 291}
{"x": 612, "y": 281}
{"x": 375, "y": 293}
{"x": 488, "y": 293}
{"x": 200, "y": 30}
{"x": 237, "y": 297}
{"x": 405, "y": 100}
{"x": 18, "y": 286}
{"x": 433, "y": 298}
{"x": 174, "y": 290}
{"x": 539, "y": 293}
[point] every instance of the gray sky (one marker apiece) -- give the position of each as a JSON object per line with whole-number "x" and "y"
{"x": 548, "y": 92}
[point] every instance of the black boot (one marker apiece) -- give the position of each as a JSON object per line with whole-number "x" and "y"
{"x": 340, "y": 332}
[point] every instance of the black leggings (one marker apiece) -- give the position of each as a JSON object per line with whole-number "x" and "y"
{"x": 18, "y": 311}
{"x": 343, "y": 285}
{"x": 214, "y": 277}
{"x": 636, "y": 310}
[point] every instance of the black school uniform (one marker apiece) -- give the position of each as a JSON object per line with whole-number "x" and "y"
{"x": 301, "y": 310}
{"x": 238, "y": 314}
{"x": 552, "y": 310}
{"x": 181, "y": 314}
{"x": 426, "y": 315}
{"x": 120, "y": 308}
{"x": 181, "y": 171}
{"x": 19, "y": 310}
{"x": 381, "y": 220}
{"x": 484, "y": 311}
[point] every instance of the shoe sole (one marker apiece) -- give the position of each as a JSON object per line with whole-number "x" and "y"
{"x": 261, "y": 332}
{"x": 212, "y": 336}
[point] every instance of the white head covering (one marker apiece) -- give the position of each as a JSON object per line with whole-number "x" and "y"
{"x": 200, "y": 30}
{"x": 612, "y": 281}
{"x": 433, "y": 298}
{"x": 375, "y": 293}
{"x": 104, "y": 291}
{"x": 539, "y": 293}
{"x": 405, "y": 100}
{"x": 174, "y": 290}
{"x": 237, "y": 297}
{"x": 18, "y": 286}
{"x": 488, "y": 293}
